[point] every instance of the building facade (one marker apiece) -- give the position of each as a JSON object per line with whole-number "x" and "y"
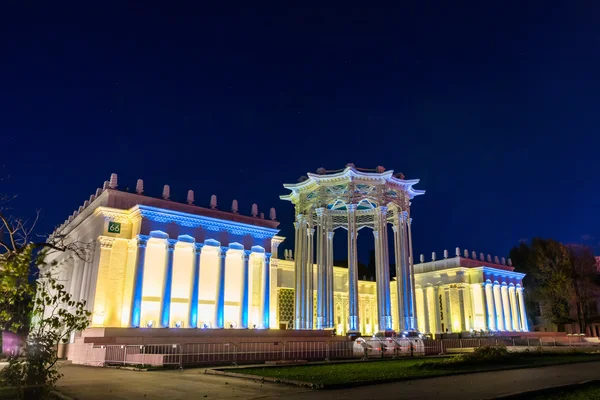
{"x": 156, "y": 263}
{"x": 153, "y": 262}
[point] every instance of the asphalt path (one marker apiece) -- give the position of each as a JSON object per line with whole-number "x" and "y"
{"x": 92, "y": 383}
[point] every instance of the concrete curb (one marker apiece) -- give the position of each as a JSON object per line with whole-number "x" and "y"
{"x": 264, "y": 378}
{"x": 545, "y": 391}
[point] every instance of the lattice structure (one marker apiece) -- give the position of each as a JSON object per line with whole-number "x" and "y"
{"x": 352, "y": 199}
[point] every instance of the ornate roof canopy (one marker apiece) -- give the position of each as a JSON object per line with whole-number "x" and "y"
{"x": 366, "y": 189}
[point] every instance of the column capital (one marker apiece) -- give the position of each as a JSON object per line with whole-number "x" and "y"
{"x": 300, "y": 217}
{"x": 382, "y": 209}
{"x": 142, "y": 240}
{"x": 351, "y": 207}
{"x": 171, "y": 244}
{"x": 106, "y": 242}
{"x": 330, "y": 235}
{"x": 310, "y": 231}
{"x": 375, "y": 233}
{"x": 320, "y": 211}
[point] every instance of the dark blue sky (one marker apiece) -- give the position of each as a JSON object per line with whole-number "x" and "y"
{"x": 494, "y": 107}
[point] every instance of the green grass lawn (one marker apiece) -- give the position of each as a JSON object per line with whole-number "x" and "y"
{"x": 586, "y": 392}
{"x": 388, "y": 370}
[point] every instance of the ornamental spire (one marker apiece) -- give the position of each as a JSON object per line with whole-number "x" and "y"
{"x": 272, "y": 214}
{"x": 139, "y": 186}
{"x": 234, "y": 206}
{"x": 254, "y": 211}
{"x": 190, "y": 197}
{"x": 166, "y": 192}
{"x": 213, "y": 202}
{"x": 113, "y": 181}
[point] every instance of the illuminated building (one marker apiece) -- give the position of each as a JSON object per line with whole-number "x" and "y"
{"x": 156, "y": 263}
{"x": 468, "y": 294}
{"x": 352, "y": 199}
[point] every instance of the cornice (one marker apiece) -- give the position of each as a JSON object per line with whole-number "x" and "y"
{"x": 195, "y": 221}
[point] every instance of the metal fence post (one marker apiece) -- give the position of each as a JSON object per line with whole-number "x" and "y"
{"x": 442, "y": 346}
{"x": 284, "y": 346}
{"x": 460, "y": 343}
{"x": 143, "y": 355}
{"x": 125, "y": 356}
{"x": 180, "y": 347}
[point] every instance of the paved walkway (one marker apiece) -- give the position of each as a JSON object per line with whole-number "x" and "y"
{"x": 100, "y": 383}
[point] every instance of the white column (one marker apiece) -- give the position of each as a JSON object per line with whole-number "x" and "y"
{"x": 448, "y": 317}
{"x": 75, "y": 285}
{"x": 310, "y": 273}
{"x": 244, "y": 292}
{"x": 524, "y": 323}
{"x": 300, "y": 276}
{"x": 352, "y": 271}
{"x": 514, "y": 312}
{"x": 499, "y": 307}
{"x": 382, "y": 270}
{"x": 436, "y": 309}
{"x": 194, "y": 287}
{"x": 400, "y": 274}
{"x": 461, "y": 303}
{"x": 491, "y": 307}
{"x": 506, "y": 308}
{"x": 484, "y": 303}
{"x": 218, "y": 320}
{"x": 426, "y": 309}
{"x": 321, "y": 270}
{"x": 136, "y": 302}
{"x": 263, "y": 310}
{"x": 411, "y": 277}
{"x": 165, "y": 303}
{"x": 330, "y": 281}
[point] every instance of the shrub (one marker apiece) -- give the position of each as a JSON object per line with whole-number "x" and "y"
{"x": 487, "y": 353}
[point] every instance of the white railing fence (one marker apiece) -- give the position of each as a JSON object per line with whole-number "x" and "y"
{"x": 190, "y": 354}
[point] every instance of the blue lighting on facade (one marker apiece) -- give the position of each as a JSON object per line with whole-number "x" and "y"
{"x": 195, "y": 285}
{"x": 166, "y": 303}
{"x": 162, "y": 215}
{"x": 221, "y": 300}
{"x": 267, "y": 291}
{"x": 244, "y": 321}
{"x": 136, "y": 304}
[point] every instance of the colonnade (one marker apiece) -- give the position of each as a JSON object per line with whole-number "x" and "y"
{"x": 464, "y": 307}
{"x": 322, "y": 220}
{"x": 181, "y": 283}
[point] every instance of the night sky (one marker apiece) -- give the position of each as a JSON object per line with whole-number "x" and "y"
{"x": 494, "y": 107}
